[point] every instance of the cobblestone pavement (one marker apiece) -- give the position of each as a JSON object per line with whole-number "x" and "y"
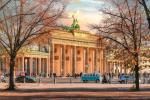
{"x": 75, "y": 91}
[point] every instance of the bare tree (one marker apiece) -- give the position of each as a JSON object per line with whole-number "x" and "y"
{"x": 3, "y": 3}
{"x": 124, "y": 24}
{"x": 23, "y": 20}
{"x": 144, "y": 3}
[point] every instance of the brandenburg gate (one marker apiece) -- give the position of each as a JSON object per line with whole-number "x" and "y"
{"x": 65, "y": 53}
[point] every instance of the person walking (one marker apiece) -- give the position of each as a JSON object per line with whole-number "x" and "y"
{"x": 104, "y": 80}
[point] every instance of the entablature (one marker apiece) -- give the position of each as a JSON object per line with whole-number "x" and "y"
{"x": 76, "y": 42}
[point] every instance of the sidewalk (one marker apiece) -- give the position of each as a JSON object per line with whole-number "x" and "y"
{"x": 81, "y": 86}
{"x": 87, "y": 91}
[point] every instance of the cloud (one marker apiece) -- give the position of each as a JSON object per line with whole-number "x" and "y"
{"x": 84, "y": 5}
{"x": 84, "y": 19}
{"x": 86, "y": 11}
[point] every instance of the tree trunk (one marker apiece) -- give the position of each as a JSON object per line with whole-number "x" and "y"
{"x": 11, "y": 75}
{"x": 136, "y": 69}
{"x": 137, "y": 77}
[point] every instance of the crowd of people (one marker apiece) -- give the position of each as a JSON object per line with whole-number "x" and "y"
{"x": 146, "y": 77}
{"x": 3, "y": 77}
{"x": 106, "y": 78}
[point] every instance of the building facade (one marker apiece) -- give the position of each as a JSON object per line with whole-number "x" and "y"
{"x": 65, "y": 53}
{"x": 121, "y": 66}
{"x": 145, "y": 59}
{"x": 115, "y": 66}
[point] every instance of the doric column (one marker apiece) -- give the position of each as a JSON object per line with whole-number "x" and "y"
{"x": 109, "y": 67}
{"x": 39, "y": 65}
{"x": 36, "y": 65}
{"x": 25, "y": 65}
{"x": 86, "y": 60}
{"x": 42, "y": 63}
{"x": 122, "y": 67}
{"x": 47, "y": 68}
{"x": 95, "y": 62}
{"x": 52, "y": 58}
{"x": 19, "y": 65}
{"x": 101, "y": 61}
{"x": 48, "y": 65}
{"x": 71, "y": 61}
{"x": 22, "y": 64}
{"x": 74, "y": 60}
{"x": 114, "y": 67}
{"x": 61, "y": 60}
{"x": 31, "y": 66}
{"x": 119, "y": 66}
{"x": 63, "y": 56}
{"x": 91, "y": 59}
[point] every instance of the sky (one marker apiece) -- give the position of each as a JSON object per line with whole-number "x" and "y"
{"x": 86, "y": 11}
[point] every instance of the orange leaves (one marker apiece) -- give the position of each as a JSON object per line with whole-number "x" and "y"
{"x": 23, "y": 1}
{"x": 42, "y": 1}
{"x": 134, "y": 62}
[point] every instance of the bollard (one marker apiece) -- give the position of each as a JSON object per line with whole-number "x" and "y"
{"x": 126, "y": 81}
{"x": 24, "y": 80}
{"x": 39, "y": 80}
{"x": 70, "y": 80}
{"x": 54, "y": 80}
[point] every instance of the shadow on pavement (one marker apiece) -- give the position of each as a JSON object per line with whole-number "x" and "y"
{"x": 73, "y": 98}
{"x": 76, "y": 90}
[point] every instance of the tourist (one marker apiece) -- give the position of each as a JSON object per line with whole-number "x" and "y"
{"x": 80, "y": 74}
{"x": 104, "y": 80}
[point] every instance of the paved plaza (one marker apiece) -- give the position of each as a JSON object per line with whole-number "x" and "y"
{"x": 74, "y": 91}
{"x": 63, "y": 89}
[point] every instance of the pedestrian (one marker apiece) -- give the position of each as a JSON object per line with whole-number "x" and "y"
{"x": 3, "y": 78}
{"x": 104, "y": 80}
{"x": 75, "y": 75}
{"x": 110, "y": 78}
{"x": 80, "y": 74}
{"x": 144, "y": 77}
